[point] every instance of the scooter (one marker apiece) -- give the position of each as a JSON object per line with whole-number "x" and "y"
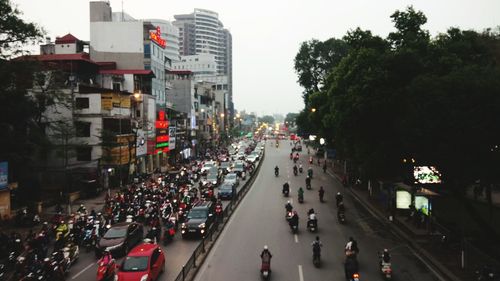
{"x": 301, "y": 169}
{"x": 106, "y": 272}
{"x": 295, "y": 172}
{"x": 312, "y": 225}
{"x": 341, "y": 218}
{"x": 317, "y": 260}
{"x": 276, "y": 173}
{"x": 386, "y": 270}
{"x": 301, "y": 198}
{"x": 265, "y": 270}
{"x": 286, "y": 192}
{"x": 288, "y": 216}
{"x": 169, "y": 233}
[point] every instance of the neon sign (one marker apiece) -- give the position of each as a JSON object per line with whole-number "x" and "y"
{"x": 161, "y": 123}
{"x": 164, "y": 138}
{"x": 156, "y": 37}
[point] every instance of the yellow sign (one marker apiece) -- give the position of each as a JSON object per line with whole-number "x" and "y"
{"x": 114, "y": 100}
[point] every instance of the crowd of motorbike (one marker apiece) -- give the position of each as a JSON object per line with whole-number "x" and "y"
{"x": 159, "y": 202}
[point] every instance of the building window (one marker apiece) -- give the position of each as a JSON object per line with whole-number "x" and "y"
{"x": 84, "y": 153}
{"x": 147, "y": 51}
{"x": 82, "y": 129}
{"x": 81, "y": 103}
{"x": 225, "y": 87}
{"x": 116, "y": 86}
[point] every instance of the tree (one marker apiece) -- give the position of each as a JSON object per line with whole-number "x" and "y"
{"x": 266, "y": 119}
{"x": 14, "y": 32}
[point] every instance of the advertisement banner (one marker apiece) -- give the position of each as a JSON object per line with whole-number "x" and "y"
{"x": 403, "y": 199}
{"x": 171, "y": 134}
{"x": 4, "y": 175}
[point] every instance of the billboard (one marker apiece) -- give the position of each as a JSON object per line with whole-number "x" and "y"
{"x": 426, "y": 175}
{"x": 422, "y": 203}
{"x": 403, "y": 199}
{"x": 4, "y": 175}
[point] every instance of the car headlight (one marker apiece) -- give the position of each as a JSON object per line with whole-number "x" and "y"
{"x": 144, "y": 277}
{"x": 110, "y": 248}
{"x": 202, "y": 225}
{"x": 183, "y": 225}
{"x": 214, "y": 182}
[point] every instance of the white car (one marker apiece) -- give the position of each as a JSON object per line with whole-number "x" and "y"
{"x": 252, "y": 158}
{"x": 232, "y": 178}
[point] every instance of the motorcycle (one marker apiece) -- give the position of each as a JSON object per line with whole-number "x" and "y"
{"x": 354, "y": 277}
{"x": 295, "y": 172}
{"x": 301, "y": 198}
{"x": 276, "y": 173}
{"x": 310, "y": 160}
{"x": 312, "y": 225}
{"x": 341, "y": 218}
{"x": 288, "y": 216}
{"x": 386, "y": 270}
{"x": 169, "y": 233}
{"x": 294, "y": 227}
{"x": 265, "y": 270}
{"x": 317, "y": 260}
{"x": 301, "y": 169}
{"x": 89, "y": 239}
{"x": 286, "y": 192}
{"x": 106, "y": 271}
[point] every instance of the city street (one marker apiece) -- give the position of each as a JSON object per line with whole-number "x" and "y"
{"x": 260, "y": 221}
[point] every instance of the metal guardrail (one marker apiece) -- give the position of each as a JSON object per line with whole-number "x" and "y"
{"x": 217, "y": 227}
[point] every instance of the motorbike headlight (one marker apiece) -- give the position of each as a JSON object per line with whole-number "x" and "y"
{"x": 183, "y": 225}
{"x": 144, "y": 277}
{"x": 202, "y": 225}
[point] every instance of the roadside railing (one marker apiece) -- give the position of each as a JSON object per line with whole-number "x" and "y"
{"x": 206, "y": 243}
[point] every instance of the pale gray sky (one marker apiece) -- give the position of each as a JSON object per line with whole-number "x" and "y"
{"x": 268, "y": 33}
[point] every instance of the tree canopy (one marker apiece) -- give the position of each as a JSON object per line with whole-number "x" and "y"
{"x": 380, "y": 100}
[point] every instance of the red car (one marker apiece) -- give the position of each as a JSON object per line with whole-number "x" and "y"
{"x": 144, "y": 263}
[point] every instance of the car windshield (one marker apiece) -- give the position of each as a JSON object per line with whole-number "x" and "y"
{"x": 135, "y": 264}
{"x": 226, "y": 188}
{"x": 238, "y": 166}
{"x": 197, "y": 214}
{"x": 231, "y": 177}
{"x": 115, "y": 233}
{"x": 212, "y": 177}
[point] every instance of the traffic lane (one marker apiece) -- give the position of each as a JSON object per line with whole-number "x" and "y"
{"x": 258, "y": 221}
{"x": 371, "y": 235}
{"x": 177, "y": 253}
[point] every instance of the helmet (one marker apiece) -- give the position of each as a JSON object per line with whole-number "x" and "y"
{"x": 265, "y": 247}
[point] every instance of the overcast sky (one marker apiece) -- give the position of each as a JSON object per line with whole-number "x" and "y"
{"x": 268, "y": 33}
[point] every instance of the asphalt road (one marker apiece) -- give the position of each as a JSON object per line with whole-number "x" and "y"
{"x": 177, "y": 253}
{"x": 259, "y": 220}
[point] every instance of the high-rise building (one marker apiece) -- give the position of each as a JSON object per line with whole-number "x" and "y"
{"x": 202, "y": 32}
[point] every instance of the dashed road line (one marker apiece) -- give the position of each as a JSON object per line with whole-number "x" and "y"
{"x": 301, "y": 274}
{"x": 296, "y": 238}
{"x": 82, "y": 271}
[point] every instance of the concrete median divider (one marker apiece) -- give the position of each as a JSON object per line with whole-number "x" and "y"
{"x": 191, "y": 267}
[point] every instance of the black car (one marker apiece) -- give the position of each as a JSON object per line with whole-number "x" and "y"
{"x": 120, "y": 238}
{"x": 226, "y": 191}
{"x": 199, "y": 219}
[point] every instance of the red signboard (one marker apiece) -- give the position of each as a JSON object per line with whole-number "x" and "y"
{"x": 156, "y": 37}
{"x": 163, "y": 138}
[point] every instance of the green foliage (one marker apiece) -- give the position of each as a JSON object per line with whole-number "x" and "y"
{"x": 14, "y": 32}
{"x": 436, "y": 100}
{"x": 266, "y": 119}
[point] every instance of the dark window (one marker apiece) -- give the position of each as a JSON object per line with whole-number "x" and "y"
{"x": 82, "y": 129}
{"x": 116, "y": 86}
{"x": 84, "y": 153}
{"x": 82, "y": 103}
{"x": 225, "y": 86}
{"x": 147, "y": 51}
{"x": 113, "y": 125}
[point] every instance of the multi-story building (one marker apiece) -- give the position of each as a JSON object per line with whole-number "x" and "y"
{"x": 96, "y": 134}
{"x": 201, "y": 32}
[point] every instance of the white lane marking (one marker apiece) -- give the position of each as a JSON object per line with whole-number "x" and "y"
{"x": 296, "y": 238}
{"x": 82, "y": 271}
{"x": 301, "y": 274}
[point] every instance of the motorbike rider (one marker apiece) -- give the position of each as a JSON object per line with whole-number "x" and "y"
{"x": 82, "y": 209}
{"x": 340, "y": 210}
{"x": 286, "y": 187}
{"x": 276, "y": 170}
{"x": 386, "y": 256}
{"x": 295, "y": 169}
{"x": 308, "y": 181}
{"x": 288, "y": 206}
{"x": 311, "y": 217}
{"x": 310, "y": 172}
{"x": 294, "y": 221}
{"x": 316, "y": 247}
{"x": 339, "y": 198}
{"x": 351, "y": 248}
{"x": 300, "y": 167}
{"x": 301, "y": 192}
{"x": 321, "y": 193}
{"x": 266, "y": 256}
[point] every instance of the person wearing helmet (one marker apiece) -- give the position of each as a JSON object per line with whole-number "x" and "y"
{"x": 288, "y": 206}
{"x": 266, "y": 256}
{"x": 386, "y": 256}
{"x": 286, "y": 187}
{"x": 316, "y": 247}
{"x": 321, "y": 194}
{"x": 339, "y": 198}
{"x": 294, "y": 221}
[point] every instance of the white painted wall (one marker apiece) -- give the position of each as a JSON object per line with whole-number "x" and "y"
{"x": 117, "y": 37}
{"x": 66, "y": 48}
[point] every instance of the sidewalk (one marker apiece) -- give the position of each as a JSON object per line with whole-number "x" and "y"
{"x": 444, "y": 260}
